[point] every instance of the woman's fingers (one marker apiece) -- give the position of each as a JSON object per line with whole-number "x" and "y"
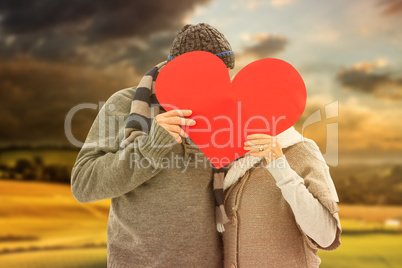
{"x": 255, "y": 148}
{"x": 258, "y": 142}
{"x": 270, "y": 147}
{"x": 258, "y": 136}
{"x": 258, "y": 139}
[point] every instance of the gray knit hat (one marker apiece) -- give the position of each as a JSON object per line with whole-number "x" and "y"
{"x": 202, "y": 37}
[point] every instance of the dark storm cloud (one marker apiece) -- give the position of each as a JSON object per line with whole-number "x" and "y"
{"x": 55, "y": 54}
{"x": 371, "y": 78}
{"x": 266, "y": 45}
{"x": 50, "y": 45}
{"x": 157, "y": 50}
{"x": 97, "y": 20}
{"x": 62, "y": 30}
{"x": 35, "y": 98}
{"x": 143, "y": 56}
{"x": 362, "y": 81}
{"x": 391, "y": 7}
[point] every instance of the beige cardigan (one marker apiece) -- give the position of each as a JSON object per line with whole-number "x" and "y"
{"x": 263, "y": 231}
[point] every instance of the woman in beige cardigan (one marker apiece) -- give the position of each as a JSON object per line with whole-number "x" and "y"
{"x": 281, "y": 204}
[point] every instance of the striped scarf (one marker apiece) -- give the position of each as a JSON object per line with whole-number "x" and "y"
{"x": 144, "y": 107}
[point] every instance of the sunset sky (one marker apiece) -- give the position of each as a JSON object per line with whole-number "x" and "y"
{"x": 56, "y": 54}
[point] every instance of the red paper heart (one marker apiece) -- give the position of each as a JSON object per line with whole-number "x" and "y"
{"x": 267, "y": 89}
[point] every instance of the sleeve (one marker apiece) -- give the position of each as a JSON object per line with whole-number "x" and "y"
{"x": 313, "y": 218}
{"x": 103, "y": 171}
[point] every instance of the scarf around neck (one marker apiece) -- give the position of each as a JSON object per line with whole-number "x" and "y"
{"x": 144, "y": 107}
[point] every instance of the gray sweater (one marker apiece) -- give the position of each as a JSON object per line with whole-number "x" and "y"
{"x": 162, "y": 210}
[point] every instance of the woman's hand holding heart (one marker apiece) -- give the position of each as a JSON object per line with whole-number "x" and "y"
{"x": 263, "y": 145}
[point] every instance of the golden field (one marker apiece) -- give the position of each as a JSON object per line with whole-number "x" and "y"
{"x": 42, "y": 225}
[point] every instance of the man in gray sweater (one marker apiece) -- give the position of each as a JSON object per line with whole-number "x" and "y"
{"x": 162, "y": 210}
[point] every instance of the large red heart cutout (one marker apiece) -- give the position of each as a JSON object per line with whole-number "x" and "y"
{"x": 267, "y": 96}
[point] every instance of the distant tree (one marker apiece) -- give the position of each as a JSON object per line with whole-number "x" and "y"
{"x": 38, "y": 161}
{"x": 57, "y": 173}
{"x": 393, "y": 186}
{"x": 39, "y": 166}
{"x": 3, "y": 167}
{"x": 22, "y": 165}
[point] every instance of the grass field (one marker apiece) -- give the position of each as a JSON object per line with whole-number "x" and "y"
{"x": 365, "y": 251}
{"x": 42, "y": 225}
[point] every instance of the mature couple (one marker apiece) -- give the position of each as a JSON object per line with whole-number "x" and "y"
{"x": 276, "y": 206}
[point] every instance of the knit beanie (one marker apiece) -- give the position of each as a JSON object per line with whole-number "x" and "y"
{"x": 202, "y": 37}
